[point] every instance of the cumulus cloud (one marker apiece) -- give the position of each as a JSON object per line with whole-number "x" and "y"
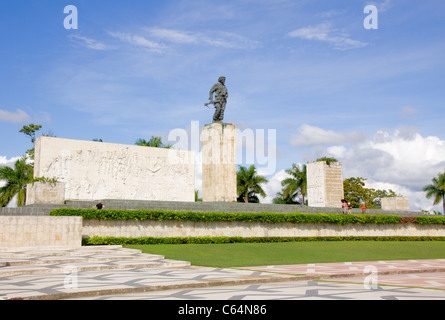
{"x": 326, "y": 33}
{"x": 4, "y": 161}
{"x": 273, "y": 185}
{"x": 417, "y": 199}
{"x": 401, "y": 158}
{"x": 312, "y": 136}
{"x": 19, "y": 116}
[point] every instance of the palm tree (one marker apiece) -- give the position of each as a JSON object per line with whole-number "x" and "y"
{"x": 296, "y": 183}
{"x": 16, "y": 181}
{"x": 437, "y": 190}
{"x": 248, "y": 184}
{"x": 154, "y": 142}
{"x": 280, "y": 199}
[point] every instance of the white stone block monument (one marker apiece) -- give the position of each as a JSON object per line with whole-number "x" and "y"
{"x": 395, "y": 204}
{"x": 97, "y": 170}
{"x": 325, "y": 184}
{"x": 218, "y": 163}
{"x": 40, "y": 232}
{"x": 45, "y": 193}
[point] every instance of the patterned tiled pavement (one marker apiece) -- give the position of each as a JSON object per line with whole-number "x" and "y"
{"x": 343, "y": 269}
{"x": 118, "y": 273}
{"x": 294, "y": 290}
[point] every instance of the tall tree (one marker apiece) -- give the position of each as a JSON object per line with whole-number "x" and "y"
{"x": 356, "y": 192}
{"x": 16, "y": 180}
{"x": 437, "y": 190}
{"x": 249, "y": 184}
{"x": 154, "y": 142}
{"x": 295, "y": 184}
{"x": 31, "y": 130}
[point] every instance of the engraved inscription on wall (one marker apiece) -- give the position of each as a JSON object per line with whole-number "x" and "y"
{"x": 95, "y": 170}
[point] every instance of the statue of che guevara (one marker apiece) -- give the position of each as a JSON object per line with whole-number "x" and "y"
{"x": 220, "y": 99}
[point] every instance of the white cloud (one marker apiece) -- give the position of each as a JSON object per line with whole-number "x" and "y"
{"x": 417, "y": 199}
{"x": 19, "y": 116}
{"x": 163, "y": 36}
{"x": 331, "y": 13}
{"x": 408, "y": 112}
{"x": 383, "y": 6}
{"x": 325, "y": 32}
{"x": 273, "y": 185}
{"x": 138, "y": 41}
{"x": 337, "y": 151}
{"x": 173, "y": 35}
{"x": 88, "y": 42}
{"x": 311, "y": 136}
{"x": 401, "y": 158}
{"x": 8, "y": 162}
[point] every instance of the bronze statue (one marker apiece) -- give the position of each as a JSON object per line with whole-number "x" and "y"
{"x": 220, "y": 100}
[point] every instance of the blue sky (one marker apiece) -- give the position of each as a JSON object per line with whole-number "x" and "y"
{"x": 374, "y": 99}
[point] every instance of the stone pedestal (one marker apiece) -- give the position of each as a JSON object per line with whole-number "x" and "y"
{"x": 218, "y": 163}
{"x": 325, "y": 184}
{"x": 45, "y": 193}
{"x": 40, "y": 232}
{"x": 395, "y": 204}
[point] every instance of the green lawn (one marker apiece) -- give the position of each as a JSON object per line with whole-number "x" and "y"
{"x": 257, "y": 254}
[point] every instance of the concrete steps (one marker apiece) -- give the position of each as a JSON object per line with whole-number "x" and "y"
{"x": 54, "y": 274}
{"x": 44, "y": 261}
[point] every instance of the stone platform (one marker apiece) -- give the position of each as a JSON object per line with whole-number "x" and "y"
{"x": 36, "y": 210}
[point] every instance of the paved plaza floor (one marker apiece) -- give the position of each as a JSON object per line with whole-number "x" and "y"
{"x": 116, "y": 273}
{"x": 339, "y": 289}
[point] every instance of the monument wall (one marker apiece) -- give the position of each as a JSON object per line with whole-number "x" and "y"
{"x": 34, "y": 232}
{"x": 97, "y": 170}
{"x": 325, "y": 184}
{"x": 171, "y": 228}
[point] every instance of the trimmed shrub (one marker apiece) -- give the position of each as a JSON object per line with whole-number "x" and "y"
{"x": 219, "y": 240}
{"x": 269, "y": 217}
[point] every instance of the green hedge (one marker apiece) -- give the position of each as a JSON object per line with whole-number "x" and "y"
{"x": 94, "y": 241}
{"x": 269, "y": 217}
{"x": 431, "y": 220}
